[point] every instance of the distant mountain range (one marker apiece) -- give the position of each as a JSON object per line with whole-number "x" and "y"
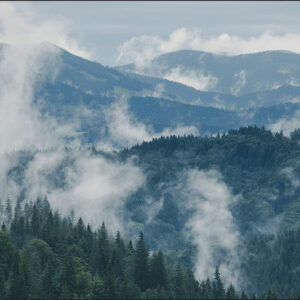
{"x": 83, "y": 86}
{"x": 237, "y": 75}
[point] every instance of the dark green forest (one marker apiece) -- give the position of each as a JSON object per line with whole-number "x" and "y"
{"x": 46, "y": 256}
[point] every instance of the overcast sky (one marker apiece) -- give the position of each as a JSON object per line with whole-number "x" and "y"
{"x": 103, "y": 26}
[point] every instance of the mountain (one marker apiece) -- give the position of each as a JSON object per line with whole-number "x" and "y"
{"x": 95, "y": 79}
{"x": 250, "y": 159}
{"x": 83, "y": 90}
{"x": 227, "y": 197}
{"x": 262, "y": 172}
{"x": 237, "y": 75}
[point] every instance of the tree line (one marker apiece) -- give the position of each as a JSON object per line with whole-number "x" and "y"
{"x": 45, "y": 255}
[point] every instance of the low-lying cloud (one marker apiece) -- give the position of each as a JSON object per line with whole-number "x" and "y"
{"x": 211, "y": 226}
{"x": 195, "y": 79}
{"x": 94, "y": 187}
{"x": 124, "y": 130}
{"x": 240, "y": 82}
{"x": 91, "y": 185}
{"x": 142, "y": 49}
{"x": 287, "y": 124}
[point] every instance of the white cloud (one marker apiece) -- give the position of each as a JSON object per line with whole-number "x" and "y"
{"x": 94, "y": 187}
{"x": 17, "y": 27}
{"x": 211, "y": 226}
{"x": 195, "y": 79}
{"x": 125, "y": 131}
{"x": 287, "y": 124}
{"x": 22, "y": 69}
{"x": 240, "y": 82}
{"x": 142, "y": 49}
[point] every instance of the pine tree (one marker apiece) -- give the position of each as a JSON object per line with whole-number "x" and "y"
{"x": 130, "y": 248}
{"x": 8, "y": 210}
{"x": 48, "y": 285}
{"x": 119, "y": 243}
{"x": 35, "y": 222}
{"x": 141, "y": 270}
{"x": 230, "y": 294}
{"x": 68, "y": 278}
{"x": 109, "y": 286}
{"x": 218, "y": 287}
{"x": 158, "y": 277}
{"x": 17, "y": 287}
{"x": 103, "y": 250}
{"x": 17, "y": 209}
{"x": 208, "y": 288}
{"x": 244, "y": 295}
{"x": 178, "y": 283}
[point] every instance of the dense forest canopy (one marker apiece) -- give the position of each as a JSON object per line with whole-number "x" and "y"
{"x": 46, "y": 256}
{"x": 256, "y": 168}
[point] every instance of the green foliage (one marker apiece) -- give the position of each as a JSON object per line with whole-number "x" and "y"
{"x": 59, "y": 267}
{"x": 141, "y": 267}
{"x": 45, "y": 255}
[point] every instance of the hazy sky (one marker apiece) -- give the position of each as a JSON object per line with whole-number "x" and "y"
{"x": 103, "y": 26}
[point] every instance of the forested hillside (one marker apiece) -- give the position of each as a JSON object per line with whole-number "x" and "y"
{"x": 46, "y": 256}
{"x": 149, "y": 160}
{"x": 253, "y": 171}
{"x": 255, "y": 163}
{"x": 82, "y": 91}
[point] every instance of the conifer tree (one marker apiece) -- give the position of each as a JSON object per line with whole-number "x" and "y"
{"x": 218, "y": 287}
{"x": 48, "y": 284}
{"x": 68, "y": 278}
{"x": 208, "y": 288}
{"x": 35, "y": 222}
{"x": 141, "y": 270}
{"x": 230, "y": 294}
{"x": 8, "y": 210}
{"x": 130, "y": 248}
{"x": 103, "y": 250}
{"x": 18, "y": 280}
{"x": 178, "y": 283}
{"x": 158, "y": 277}
{"x": 109, "y": 285}
{"x": 244, "y": 295}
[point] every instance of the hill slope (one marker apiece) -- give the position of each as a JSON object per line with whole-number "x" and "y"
{"x": 238, "y": 75}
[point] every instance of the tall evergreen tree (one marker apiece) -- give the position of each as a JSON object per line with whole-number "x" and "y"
{"x": 18, "y": 280}
{"x": 68, "y": 278}
{"x": 35, "y": 222}
{"x": 230, "y": 294}
{"x": 218, "y": 287}
{"x": 8, "y": 211}
{"x": 141, "y": 270}
{"x": 179, "y": 283}
{"x": 109, "y": 285}
{"x": 244, "y": 295}
{"x": 158, "y": 276}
